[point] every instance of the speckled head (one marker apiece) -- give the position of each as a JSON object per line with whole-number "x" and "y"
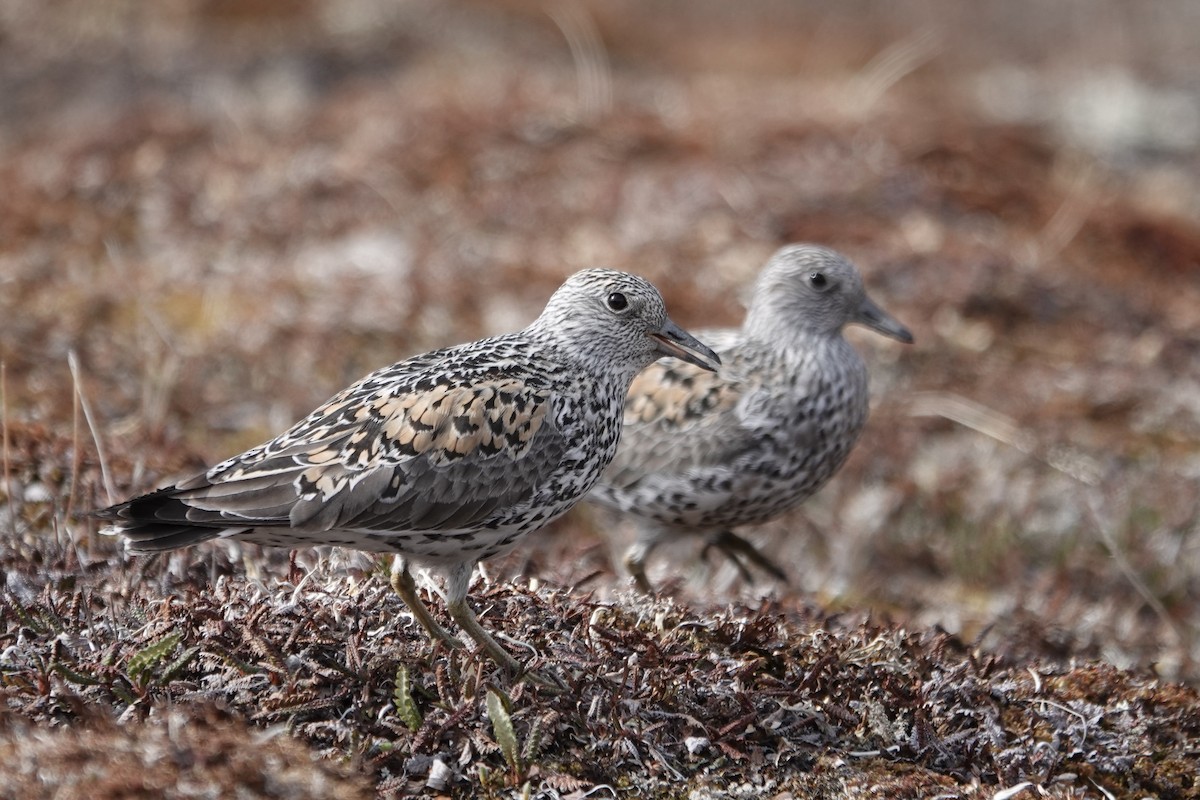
{"x": 619, "y": 320}
{"x": 809, "y": 288}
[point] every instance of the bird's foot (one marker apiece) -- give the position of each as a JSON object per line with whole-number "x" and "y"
{"x": 543, "y": 678}
{"x": 739, "y": 551}
{"x": 635, "y": 564}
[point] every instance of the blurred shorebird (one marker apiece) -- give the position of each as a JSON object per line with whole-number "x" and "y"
{"x": 443, "y": 459}
{"x": 704, "y": 453}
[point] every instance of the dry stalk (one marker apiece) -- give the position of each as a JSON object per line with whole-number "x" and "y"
{"x": 110, "y": 490}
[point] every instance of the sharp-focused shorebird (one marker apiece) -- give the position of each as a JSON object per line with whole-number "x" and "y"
{"x": 704, "y": 453}
{"x": 443, "y": 459}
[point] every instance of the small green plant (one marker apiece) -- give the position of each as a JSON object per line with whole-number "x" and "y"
{"x": 146, "y": 659}
{"x": 406, "y": 708}
{"x": 502, "y": 729}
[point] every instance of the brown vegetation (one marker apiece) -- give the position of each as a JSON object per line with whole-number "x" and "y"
{"x": 216, "y": 214}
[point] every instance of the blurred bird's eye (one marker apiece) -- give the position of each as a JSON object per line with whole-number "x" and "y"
{"x": 818, "y": 280}
{"x": 617, "y": 301}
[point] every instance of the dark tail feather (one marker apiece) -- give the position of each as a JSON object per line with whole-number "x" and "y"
{"x": 158, "y": 521}
{"x": 158, "y": 537}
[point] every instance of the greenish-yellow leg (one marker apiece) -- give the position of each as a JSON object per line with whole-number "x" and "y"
{"x": 406, "y": 587}
{"x": 461, "y": 613}
{"x": 457, "y": 581}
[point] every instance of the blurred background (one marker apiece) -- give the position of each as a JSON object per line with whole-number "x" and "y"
{"x": 222, "y": 211}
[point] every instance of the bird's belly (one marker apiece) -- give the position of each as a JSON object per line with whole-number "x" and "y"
{"x": 497, "y": 537}
{"x": 755, "y": 491}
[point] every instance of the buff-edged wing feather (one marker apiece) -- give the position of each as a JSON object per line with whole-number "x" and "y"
{"x": 668, "y": 407}
{"x": 441, "y": 457}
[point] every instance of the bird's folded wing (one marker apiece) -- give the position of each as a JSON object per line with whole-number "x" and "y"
{"x": 440, "y": 457}
{"x": 683, "y": 424}
{"x": 677, "y": 418}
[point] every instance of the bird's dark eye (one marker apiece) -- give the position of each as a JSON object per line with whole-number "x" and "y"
{"x": 818, "y": 280}
{"x": 617, "y": 301}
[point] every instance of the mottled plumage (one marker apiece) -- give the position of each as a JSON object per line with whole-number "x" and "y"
{"x": 703, "y": 453}
{"x": 445, "y": 458}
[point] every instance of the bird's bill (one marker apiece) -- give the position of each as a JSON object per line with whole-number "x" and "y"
{"x": 673, "y": 340}
{"x": 880, "y": 321}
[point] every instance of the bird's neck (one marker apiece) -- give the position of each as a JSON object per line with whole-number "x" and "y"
{"x": 587, "y": 357}
{"x": 781, "y": 329}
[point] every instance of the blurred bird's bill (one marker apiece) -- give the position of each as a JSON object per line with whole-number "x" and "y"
{"x": 878, "y": 320}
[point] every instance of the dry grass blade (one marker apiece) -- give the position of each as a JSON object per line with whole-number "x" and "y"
{"x": 593, "y": 72}
{"x": 73, "y": 363}
{"x": 975, "y": 416}
{"x": 1102, "y": 521}
{"x": 893, "y": 64}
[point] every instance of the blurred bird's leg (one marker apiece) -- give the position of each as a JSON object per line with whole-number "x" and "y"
{"x": 648, "y": 538}
{"x": 406, "y": 587}
{"x": 736, "y": 549}
{"x": 458, "y": 580}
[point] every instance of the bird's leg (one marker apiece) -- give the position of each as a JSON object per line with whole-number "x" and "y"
{"x": 406, "y": 587}
{"x": 742, "y": 570}
{"x": 635, "y": 559}
{"x": 736, "y": 548}
{"x": 457, "y": 582}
